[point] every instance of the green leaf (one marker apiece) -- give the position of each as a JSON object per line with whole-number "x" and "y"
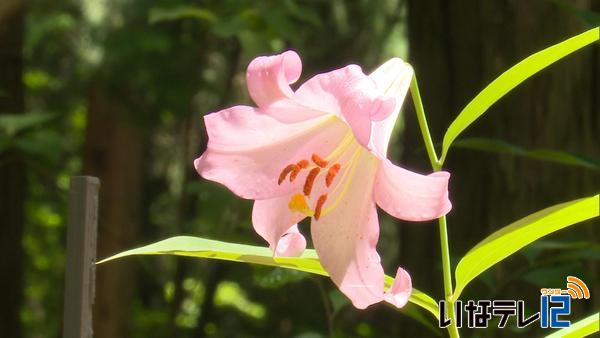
{"x": 500, "y": 146}
{"x": 14, "y": 123}
{"x": 206, "y": 248}
{"x": 181, "y": 12}
{"x": 41, "y": 145}
{"x": 509, "y": 80}
{"x": 515, "y": 236}
{"x": 582, "y": 328}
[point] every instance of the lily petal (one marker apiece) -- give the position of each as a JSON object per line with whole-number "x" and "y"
{"x": 392, "y": 79}
{"x": 346, "y": 238}
{"x": 247, "y": 150}
{"x": 274, "y": 222}
{"x": 350, "y": 94}
{"x": 400, "y": 290}
{"x": 292, "y": 244}
{"x": 410, "y": 196}
{"x": 269, "y": 77}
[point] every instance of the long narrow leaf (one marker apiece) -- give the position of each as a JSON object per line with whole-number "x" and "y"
{"x": 515, "y": 236}
{"x": 510, "y": 79}
{"x": 582, "y": 328}
{"x": 206, "y": 248}
{"x": 548, "y": 155}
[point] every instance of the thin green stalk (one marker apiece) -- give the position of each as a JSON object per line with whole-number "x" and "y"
{"x": 416, "y": 96}
{"x": 445, "y": 249}
{"x": 452, "y": 329}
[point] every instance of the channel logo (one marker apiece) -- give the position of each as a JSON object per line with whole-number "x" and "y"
{"x": 577, "y": 288}
{"x": 556, "y": 303}
{"x": 554, "y": 309}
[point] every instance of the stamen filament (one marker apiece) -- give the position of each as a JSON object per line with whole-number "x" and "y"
{"x": 352, "y": 171}
{"x": 346, "y": 141}
{"x": 347, "y": 168}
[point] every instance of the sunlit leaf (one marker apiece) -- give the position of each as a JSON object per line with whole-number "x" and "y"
{"x": 11, "y": 124}
{"x": 509, "y": 80}
{"x": 181, "y": 12}
{"x": 206, "y": 248}
{"x": 500, "y": 146}
{"x": 515, "y": 236}
{"x": 582, "y": 328}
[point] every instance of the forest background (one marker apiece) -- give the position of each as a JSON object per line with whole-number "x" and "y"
{"x": 117, "y": 89}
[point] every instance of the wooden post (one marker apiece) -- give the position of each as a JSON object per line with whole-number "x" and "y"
{"x": 81, "y": 257}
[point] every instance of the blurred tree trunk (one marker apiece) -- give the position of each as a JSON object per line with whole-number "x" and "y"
{"x": 457, "y": 47}
{"x": 114, "y": 152}
{"x": 13, "y": 176}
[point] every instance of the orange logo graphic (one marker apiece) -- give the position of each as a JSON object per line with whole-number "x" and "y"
{"x": 576, "y": 288}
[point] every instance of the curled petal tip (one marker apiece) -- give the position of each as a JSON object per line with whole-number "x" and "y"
{"x": 268, "y": 77}
{"x": 291, "y": 244}
{"x": 401, "y": 289}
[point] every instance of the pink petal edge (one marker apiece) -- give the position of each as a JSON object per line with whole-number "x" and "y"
{"x": 410, "y": 196}
{"x": 269, "y": 77}
{"x": 274, "y": 222}
{"x": 401, "y": 289}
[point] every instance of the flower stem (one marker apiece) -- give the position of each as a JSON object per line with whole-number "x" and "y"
{"x": 452, "y": 329}
{"x": 416, "y": 96}
{"x": 437, "y": 165}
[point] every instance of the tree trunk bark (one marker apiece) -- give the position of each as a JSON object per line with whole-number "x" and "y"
{"x": 114, "y": 151}
{"x": 458, "y": 47}
{"x": 13, "y": 175}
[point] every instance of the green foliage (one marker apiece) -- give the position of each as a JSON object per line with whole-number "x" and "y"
{"x": 548, "y": 155}
{"x": 181, "y": 12}
{"x": 269, "y": 278}
{"x": 165, "y": 62}
{"x": 11, "y": 124}
{"x": 509, "y": 80}
{"x": 515, "y": 236}
{"x": 582, "y": 328}
{"x": 206, "y": 248}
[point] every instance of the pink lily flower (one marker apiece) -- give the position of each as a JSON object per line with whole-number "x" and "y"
{"x": 320, "y": 152}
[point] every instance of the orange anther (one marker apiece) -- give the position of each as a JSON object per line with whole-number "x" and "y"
{"x": 285, "y": 172}
{"x": 319, "y": 161}
{"x": 319, "y": 206}
{"x": 310, "y": 180}
{"x": 331, "y": 174}
{"x": 303, "y": 164}
{"x": 294, "y": 173}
